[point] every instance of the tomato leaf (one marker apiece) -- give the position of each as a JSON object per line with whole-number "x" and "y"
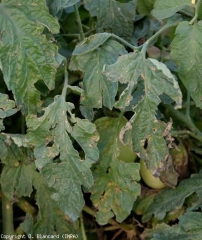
{"x": 113, "y": 16}
{"x": 188, "y": 228}
{"x": 147, "y": 130}
{"x": 165, "y": 9}
{"x": 144, "y": 7}
{"x": 116, "y": 187}
{"x": 170, "y": 199}
{"x": 98, "y": 91}
{"x": 49, "y": 222}
{"x": 189, "y": 67}
{"x": 26, "y": 55}
{"x": 91, "y": 43}
{"x": 7, "y": 108}
{"x": 57, "y": 159}
{"x": 56, "y": 5}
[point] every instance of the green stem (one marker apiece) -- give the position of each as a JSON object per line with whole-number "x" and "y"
{"x": 82, "y": 228}
{"x": 188, "y": 105}
{"x": 185, "y": 132}
{"x": 26, "y": 206}
{"x": 70, "y": 35}
{"x": 78, "y": 19}
{"x": 92, "y": 213}
{"x": 197, "y": 5}
{"x": 127, "y": 44}
{"x": 64, "y": 90}
{"x": 105, "y": 229}
{"x": 89, "y": 32}
{"x": 157, "y": 34}
{"x": 186, "y": 13}
{"x": 7, "y": 215}
{"x": 186, "y": 120}
{"x": 197, "y": 150}
{"x": 86, "y": 27}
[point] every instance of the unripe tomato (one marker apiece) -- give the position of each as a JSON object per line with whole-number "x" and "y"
{"x": 148, "y": 178}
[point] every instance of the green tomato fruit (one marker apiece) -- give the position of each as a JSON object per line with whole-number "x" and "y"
{"x": 148, "y": 178}
{"x": 126, "y": 153}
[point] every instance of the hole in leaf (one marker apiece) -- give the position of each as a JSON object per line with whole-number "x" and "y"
{"x": 146, "y": 143}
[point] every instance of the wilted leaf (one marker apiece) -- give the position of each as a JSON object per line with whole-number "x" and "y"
{"x": 116, "y": 187}
{"x": 165, "y": 9}
{"x": 187, "y": 52}
{"x": 113, "y": 16}
{"x": 26, "y": 56}
{"x": 147, "y": 131}
{"x": 57, "y": 159}
{"x": 98, "y": 91}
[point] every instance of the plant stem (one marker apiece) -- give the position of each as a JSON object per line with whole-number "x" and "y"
{"x": 105, "y": 229}
{"x": 158, "y": 33}
{"x": 186, "y": 120}
{"x": 127, "y": 44}
{"x": 82, "y": 227}
{"x": 196, "y": 12}
{"x": 86, "y": 27}
{"x": 64, "y": 90}
{"x": 26, "y": 206}
{"x": 188, "y": 105}
{"x": 185, "y": 13}
{"x": 70, "y": 35}
{"x": 7, "y": 215}
{"x": 92, "y": 213}
{"x": 185, "y": 132}
{"x": 78, "y": 19}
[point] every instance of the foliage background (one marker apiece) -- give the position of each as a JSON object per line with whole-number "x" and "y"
{"x": 79, "y": 77}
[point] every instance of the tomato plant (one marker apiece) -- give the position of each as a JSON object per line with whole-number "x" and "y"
{"x": 97, "y": 96}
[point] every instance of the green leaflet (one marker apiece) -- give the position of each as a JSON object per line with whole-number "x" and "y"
{"x": 18, "y": 178}
{"x": 116, "y": 187}
{"x": 52, "y": 135}
{"x": 188, "y": 228}
{"x": 7, "y": 108}
{"x": 144, "y": 7}
{"x": 17, "y": 181}
{"x": 170, "y": 199}
{"x": 91, "y": 43}
{"x": 56, "y": 5}
{"x": 50, "y": 219}
{"x": 165, "y": 9}
{"x": 10, "y": 153}
{"x": 187, "y": 52}
{"x": 113, "y": 16}
{"x": 98, "y": 91}
{"x": 147, "y": 131}
{"x": 26, "y": 55}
